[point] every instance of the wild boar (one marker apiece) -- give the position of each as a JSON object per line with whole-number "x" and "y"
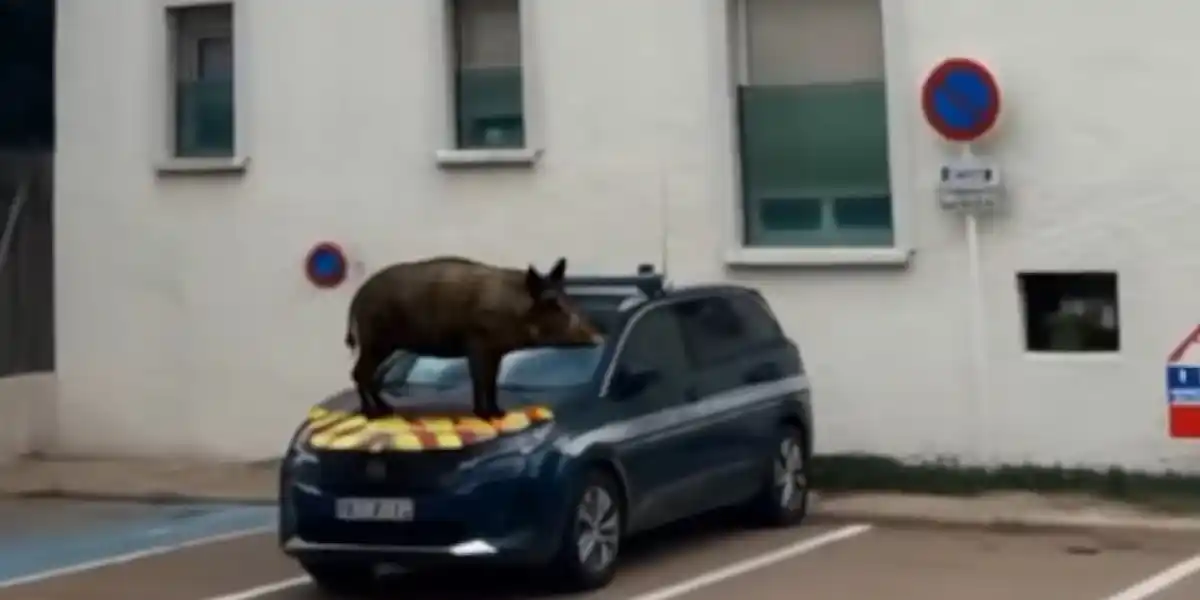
{"x": 452, "y": 307}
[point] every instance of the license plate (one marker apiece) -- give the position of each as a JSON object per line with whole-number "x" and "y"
{"x": 375, "y": 509}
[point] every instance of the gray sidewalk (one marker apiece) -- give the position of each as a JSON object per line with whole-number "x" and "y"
{"x": 147, "y": 480}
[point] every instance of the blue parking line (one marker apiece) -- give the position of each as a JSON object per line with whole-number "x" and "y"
{"x": 169, "y": 527}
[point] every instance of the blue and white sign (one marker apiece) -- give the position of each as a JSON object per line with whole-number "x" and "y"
{"x": 1183, "y": 389}
{"x": 1183, "y": 383}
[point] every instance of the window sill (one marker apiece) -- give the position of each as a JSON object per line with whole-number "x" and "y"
{"x": 224, "y": 164}
{"x": 486, "y": 157}
{"x": 1100, "y": 356}
{"x": 818, "y": 257}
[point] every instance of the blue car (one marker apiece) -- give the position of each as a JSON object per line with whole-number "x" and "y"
{"x": 696, "y": 401}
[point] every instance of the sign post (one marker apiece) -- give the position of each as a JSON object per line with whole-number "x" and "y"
{"x": 961, "y": 102}
{"x": 1183, "y": 390}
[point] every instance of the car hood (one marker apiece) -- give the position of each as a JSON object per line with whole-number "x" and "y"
{"x": 425, "y": 421}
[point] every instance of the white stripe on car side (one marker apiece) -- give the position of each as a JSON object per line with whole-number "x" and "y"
{"x": 683, "y": 415}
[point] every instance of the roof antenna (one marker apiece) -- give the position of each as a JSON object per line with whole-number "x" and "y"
{"x": 664, "y": 218}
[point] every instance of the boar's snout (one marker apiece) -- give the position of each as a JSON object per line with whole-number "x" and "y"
{"x": 561, "y": 325}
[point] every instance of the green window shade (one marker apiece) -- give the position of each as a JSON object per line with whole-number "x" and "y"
{"x": 490, "y": 108}
{"x": 204, "y": 118}
{"x": 815, "y": 165}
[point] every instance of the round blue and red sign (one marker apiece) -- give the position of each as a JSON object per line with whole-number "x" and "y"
{"x": 326, "y": 265}
{"x": 961, "y": 100}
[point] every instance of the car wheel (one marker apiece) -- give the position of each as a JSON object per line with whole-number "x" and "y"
{"x": 341, "y": 577}
{"x": 785, "y": 495}
{"x": 587, "y": 554}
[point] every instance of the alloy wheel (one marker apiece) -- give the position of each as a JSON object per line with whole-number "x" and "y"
{"x": 597, "y": 529}
{"x": 791, "y": 480}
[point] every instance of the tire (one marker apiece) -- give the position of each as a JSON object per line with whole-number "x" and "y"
{"x": 785, "y": 496}
{"x": 598, "y": 510}
{"x": 341, "y": 577}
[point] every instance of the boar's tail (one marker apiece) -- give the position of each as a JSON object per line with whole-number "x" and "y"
{"x": 351, "y": 338}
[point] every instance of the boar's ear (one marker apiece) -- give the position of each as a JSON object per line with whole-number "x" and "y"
{"x": 533, "y": 282}
{"x": 558, "y": 271}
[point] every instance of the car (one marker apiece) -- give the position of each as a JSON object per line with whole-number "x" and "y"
{"x": 697, "y": 400}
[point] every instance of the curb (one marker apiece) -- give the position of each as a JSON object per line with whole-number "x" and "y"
{"x": 159, "y": 498}
{"x": 1012, "y": 523}
{"x": 1008, "y": 524}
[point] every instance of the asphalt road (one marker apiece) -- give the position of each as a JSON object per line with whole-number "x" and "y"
{"x": 715, "y": 559}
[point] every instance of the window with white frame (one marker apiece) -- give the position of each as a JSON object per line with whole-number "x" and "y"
{"x": 489, "y": 109}
{"x": 201, "y": 39}
{"x": 812, "y": 123}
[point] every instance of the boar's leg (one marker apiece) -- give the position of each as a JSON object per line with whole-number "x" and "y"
{"x": 365, "y": 377}
{"x": 484, "y": 364}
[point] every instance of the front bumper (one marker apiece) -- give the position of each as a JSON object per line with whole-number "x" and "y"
{"x": 513, "y": 520}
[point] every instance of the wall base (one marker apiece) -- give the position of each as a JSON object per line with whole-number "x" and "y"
{"x": 27, "y": 406}
{"x": 1165, "y": 490}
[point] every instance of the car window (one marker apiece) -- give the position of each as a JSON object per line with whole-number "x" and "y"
{"x": 539, "y": 368}
{"x": 760, "y": 326}
{"x": 718, "y": 328}
{"x": 655, "y": 343}
{"x": 603, "y": 311}
{"x": 530, "y": 368}
{"x": 712, "y": 329}
{"x": 432, "y": 371}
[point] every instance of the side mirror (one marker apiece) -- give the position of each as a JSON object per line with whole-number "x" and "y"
{"x": 627, "y": 383}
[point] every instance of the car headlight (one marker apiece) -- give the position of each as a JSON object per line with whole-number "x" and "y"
{"x": 299, "y": 460}
{"x": 301, "y": 471}
{"x": 510, "y": 460}
{"x": 528, "y": 441}
{"x": 302, "y": 456}
{"x": 501, "y": 467}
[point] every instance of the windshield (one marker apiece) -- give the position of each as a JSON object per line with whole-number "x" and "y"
{"x": 524, "y": 369}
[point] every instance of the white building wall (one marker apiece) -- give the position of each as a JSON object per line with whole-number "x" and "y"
{"x": 186, "y": 327}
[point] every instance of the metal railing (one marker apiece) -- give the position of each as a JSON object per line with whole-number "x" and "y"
{"x": 646, "y": 282}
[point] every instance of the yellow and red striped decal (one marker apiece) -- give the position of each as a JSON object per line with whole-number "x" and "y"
{"x": 340, "y": 430}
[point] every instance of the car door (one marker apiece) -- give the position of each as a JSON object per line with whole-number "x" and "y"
{"x": 650, "y": 448}
{"x": 765, "y": 358}
{"x": 727, "y": 362}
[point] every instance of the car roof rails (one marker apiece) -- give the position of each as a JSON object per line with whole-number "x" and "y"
{"x": 646, "y": 283}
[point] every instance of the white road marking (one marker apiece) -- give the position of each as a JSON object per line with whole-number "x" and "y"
{"x": 263, "y": 590}
{"x": 130, "y": 557}
{"x": 1159, "y": 581}
{"x": 752, "y": 564}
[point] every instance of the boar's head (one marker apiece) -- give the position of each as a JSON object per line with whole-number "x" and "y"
{"x": 552, "y": 320}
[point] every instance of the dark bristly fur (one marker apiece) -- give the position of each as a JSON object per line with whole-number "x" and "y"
{"x": 453, "y": 307}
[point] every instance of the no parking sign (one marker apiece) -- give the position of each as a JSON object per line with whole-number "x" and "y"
{"x": 326, "y": 265}
{"x": 961, "y": 99}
